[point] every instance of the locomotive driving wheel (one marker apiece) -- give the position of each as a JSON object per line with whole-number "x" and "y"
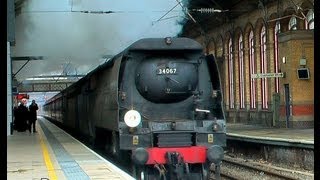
{"x": 199, "y": 172}
{"x": 115, "y": 147}
{"x": 139, "y": 172}
{"x": 205, "y": 171}
{"x": 122, "y": 156}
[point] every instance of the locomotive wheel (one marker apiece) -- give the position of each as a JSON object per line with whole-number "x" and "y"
{"x": 92, "y": 129}
{"x": 139, "y": 173}
{"x": 199, "y": 172}
{"x": 115, "y": 147}
{"x": 97, "y": 140}
{"x": 93, "y": 134}
{"x": 205, "y": 171}
{"x": 146, "y": 173}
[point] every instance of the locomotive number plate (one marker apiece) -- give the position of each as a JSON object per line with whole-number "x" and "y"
{"x": 165, "y": 71}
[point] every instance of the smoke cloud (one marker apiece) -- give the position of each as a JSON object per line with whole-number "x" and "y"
{"x": 58, "y": 30}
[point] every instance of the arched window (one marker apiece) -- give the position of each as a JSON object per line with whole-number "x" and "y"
{"x": 293, "y": 23}
{"x": 230, "y": 69}
{"x": 241, "y": 72}
{"x": 211, "y": 48}
{"x": 276, "y": 55}
{"x": 310, "y": 20}
{"x": 252, "y": 71}
{"x": 219, "y": 46}
{"x": 263, "y": 62}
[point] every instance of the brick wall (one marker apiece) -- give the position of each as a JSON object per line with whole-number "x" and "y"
{"x": 293, "y": 45}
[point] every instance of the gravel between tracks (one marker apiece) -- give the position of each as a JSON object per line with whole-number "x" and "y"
{"x": 244, "y": 173}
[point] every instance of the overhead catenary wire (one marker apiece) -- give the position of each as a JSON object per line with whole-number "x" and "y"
{"x": 209, "y": 10}
{"x": 102, "y": 11}
{"x": 169, "y": 18}
{"x": 284, "y": 17}
{"x": 186, "y": 11}
{"x": 160, "y": 19}
{"x": 167, "y": 12}
{"x": 63, "y": 71}
{"x": 92, "y": 11}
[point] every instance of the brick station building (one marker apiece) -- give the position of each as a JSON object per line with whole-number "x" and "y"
{"x": 277, "y": 37}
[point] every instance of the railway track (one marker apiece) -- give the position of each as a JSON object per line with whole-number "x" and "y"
{"x": 232, "y": 168}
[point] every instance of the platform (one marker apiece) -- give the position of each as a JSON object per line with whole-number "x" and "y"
{"x": 51, "y": 153}
{"x": 276, "y": 136}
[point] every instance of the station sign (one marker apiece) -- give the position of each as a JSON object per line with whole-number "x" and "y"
{"x": 267, "y": 75}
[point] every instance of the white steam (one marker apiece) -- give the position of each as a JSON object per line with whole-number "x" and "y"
{"x": 49, "y": 28}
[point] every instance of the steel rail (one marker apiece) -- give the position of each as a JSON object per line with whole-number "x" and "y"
{"x": 229, "y": 160}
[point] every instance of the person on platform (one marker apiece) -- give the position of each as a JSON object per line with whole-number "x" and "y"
{"x": 33, "y": 115}
{"x": 21, "y": 117}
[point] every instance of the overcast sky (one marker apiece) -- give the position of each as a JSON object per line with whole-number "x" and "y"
{"x": 49, "y": 28}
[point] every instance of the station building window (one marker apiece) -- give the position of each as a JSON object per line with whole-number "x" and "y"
{"x": 219, "y": 48}
{"x": 252, "y": 67}
{"x": 263, "y": 63}
{"x": 276, "y": 55}
{"x": 241, "y": 72}
{"x": 293, "y": 23}
{"x": 310, "y": 20}
{"x": 230, "y": 71}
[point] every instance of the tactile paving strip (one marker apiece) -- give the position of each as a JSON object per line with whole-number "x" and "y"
{"x": 69, "y": 166}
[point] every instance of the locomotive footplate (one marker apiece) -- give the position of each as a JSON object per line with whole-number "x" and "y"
{"x": 176, "y": 164}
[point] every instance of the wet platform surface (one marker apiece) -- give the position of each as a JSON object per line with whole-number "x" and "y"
{"x": 51, "y": 153}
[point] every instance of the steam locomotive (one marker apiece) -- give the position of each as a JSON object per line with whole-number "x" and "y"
{"x": 158, "y": 101}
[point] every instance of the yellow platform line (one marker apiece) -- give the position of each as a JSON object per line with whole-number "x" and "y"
{"x": 47, "y": 159}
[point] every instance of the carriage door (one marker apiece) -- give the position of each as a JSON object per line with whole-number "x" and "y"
{"x": 287, "y": 101}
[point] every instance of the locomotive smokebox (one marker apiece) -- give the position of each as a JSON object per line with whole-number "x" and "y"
{"x": 166, "y": 78}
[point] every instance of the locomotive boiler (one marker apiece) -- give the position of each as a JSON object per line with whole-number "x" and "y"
{"x": 158, "y": 101}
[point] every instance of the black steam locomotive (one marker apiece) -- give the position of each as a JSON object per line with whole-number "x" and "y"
{"x": 158, "y": 101}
